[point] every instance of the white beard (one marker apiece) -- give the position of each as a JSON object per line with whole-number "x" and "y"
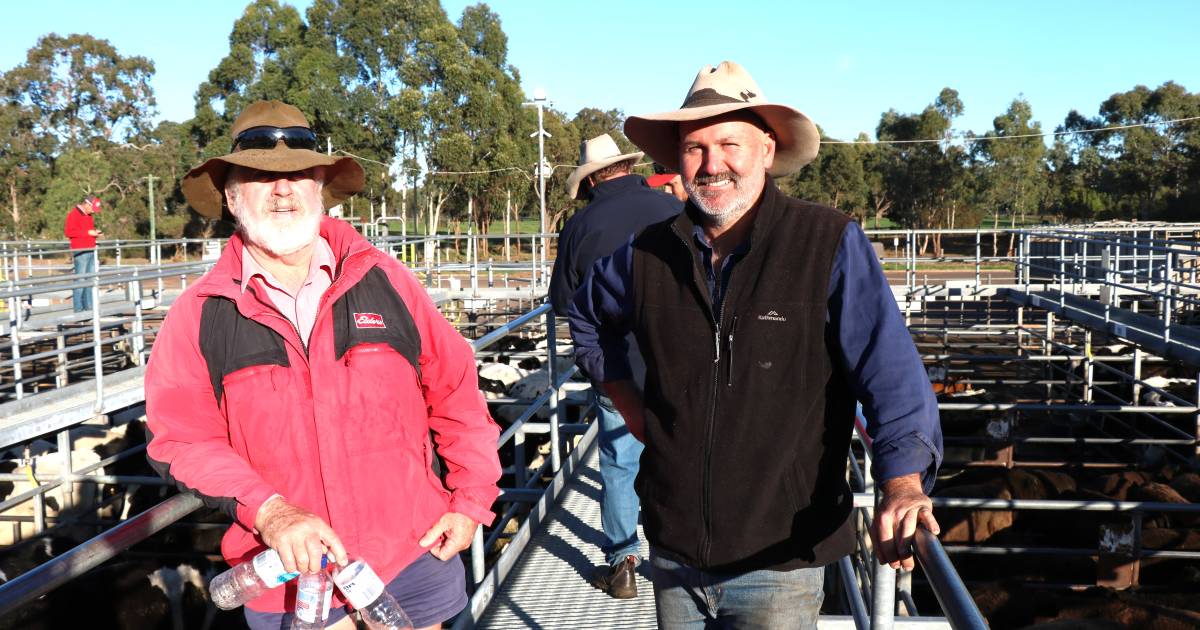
{"x": 746, "y": 190}
{"x": 278, "y": 238}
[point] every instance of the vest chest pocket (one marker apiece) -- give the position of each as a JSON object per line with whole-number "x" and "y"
{"x": 772, "y": 345}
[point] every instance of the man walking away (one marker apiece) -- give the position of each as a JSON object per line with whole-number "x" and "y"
{"x": 621, "y": 205}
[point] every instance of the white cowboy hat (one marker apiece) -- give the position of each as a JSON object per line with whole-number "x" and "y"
{"x": 594, "y": 155}
{"x": 720, "y": 90}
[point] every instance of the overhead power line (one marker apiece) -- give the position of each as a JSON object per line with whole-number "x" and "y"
{"x": 519, "y": 169}
{"x": 1017, "y": 136}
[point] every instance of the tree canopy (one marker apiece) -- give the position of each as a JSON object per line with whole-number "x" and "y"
{"x": 432, "y": 108}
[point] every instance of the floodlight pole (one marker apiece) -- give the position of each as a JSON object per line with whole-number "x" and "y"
{"x": 153, "y": 233}
{"x": 539, "y": 101}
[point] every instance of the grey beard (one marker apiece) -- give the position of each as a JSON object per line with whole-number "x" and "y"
{"x": 720, "y": 217}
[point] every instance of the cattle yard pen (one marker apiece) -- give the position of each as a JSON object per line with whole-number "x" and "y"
{"x": 1056, "y": 352}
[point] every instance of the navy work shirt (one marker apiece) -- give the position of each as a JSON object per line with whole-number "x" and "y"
{"x": 620, "y": 208}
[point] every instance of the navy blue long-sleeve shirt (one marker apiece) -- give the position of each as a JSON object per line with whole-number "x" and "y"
{"x": 873, "y": 347}
{"x": 619, "y": 209}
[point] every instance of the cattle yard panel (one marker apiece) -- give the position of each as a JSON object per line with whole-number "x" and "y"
{"x": 975, "y": 329}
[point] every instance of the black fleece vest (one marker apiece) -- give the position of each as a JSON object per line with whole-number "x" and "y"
{"x": 748, "y": 420}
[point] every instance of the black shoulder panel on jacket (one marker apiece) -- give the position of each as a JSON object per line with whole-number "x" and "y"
{"x": 373, "y": 312}
{"x": 230, "y": 342}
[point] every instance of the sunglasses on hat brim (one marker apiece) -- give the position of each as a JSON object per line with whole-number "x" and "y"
{"x": 266, "y": 137}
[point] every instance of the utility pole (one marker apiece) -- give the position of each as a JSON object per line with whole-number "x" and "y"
{"x": 539, "y": 101}
{"x": 153, "y": 234}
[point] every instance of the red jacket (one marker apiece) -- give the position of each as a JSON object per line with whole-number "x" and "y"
{"x": 239, "y": 409}
{"x": 76, "y": 228}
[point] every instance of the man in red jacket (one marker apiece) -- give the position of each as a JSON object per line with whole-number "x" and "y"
{"x": 80, "y": 228}
{"x": 303, "y": 384}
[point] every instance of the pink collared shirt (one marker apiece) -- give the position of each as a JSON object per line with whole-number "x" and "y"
{"x": 301, "y": 308}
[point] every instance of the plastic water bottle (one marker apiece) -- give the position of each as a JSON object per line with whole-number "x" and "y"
{"x": 248, "y": 580}
{"x": 366, "y": 593}
{"x": 313, "y": 592}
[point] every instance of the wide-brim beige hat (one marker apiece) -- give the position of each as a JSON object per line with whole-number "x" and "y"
{"x": 595, "y": 154}
{"x": 204, "y": 186}
{"x": 720, "y": 90}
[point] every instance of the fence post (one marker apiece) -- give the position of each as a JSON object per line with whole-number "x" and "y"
{"x": 97, "y": 354}
{"x": 552, "y": 373}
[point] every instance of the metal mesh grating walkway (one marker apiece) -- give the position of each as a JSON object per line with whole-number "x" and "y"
{"x": 549, "y": 588}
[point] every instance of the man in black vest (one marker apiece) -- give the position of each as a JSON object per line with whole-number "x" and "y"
{"x": 762, "y": 320}
{"x": 621, "y": 205}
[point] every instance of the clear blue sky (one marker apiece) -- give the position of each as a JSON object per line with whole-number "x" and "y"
{"x": 841, "y": 63}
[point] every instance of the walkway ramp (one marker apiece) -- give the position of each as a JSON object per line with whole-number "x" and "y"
{"x": 548, "y": 588}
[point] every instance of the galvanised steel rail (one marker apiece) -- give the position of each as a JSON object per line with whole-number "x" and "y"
{"x": 1120, "y": 265}
{"x": 957, "y": 603}
{"x": 94, "y": 552}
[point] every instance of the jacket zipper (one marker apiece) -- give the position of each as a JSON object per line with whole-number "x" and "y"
{"x": 710, "y": 430}
{"x": 729, "y": 367}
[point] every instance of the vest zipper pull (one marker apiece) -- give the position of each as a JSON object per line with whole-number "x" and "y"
{"x": 717, "y": 344}
{"x": 732, "y": 329}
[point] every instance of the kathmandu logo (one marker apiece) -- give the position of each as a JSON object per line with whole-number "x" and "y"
{"x": 368, "y": 320}
{"x": 772, "y": 316}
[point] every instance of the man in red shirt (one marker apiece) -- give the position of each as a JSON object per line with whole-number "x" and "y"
{"x": 80, "y": 227}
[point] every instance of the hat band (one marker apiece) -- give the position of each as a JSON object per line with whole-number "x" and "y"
{"x": 709, "y": 96}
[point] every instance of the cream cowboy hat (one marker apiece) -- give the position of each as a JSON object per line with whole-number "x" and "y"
{"x": 594, "y": 155}
{"x": 275, "y": 137}
{"x": 720, "y": 90}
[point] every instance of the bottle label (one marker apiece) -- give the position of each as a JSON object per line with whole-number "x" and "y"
{"x": 270, "y": 569}
{"x": 307, "y": 604}
{"x": 359, "y": 584}
{"x": 327, "y": 602}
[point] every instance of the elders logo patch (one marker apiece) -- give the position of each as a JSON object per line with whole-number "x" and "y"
{"x": 368, "y": 320}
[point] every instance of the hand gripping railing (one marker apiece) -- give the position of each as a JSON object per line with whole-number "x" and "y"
{"x": 957, "y": 604}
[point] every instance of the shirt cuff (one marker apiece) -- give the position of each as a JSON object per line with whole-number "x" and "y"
{"x": 913, "y": 453}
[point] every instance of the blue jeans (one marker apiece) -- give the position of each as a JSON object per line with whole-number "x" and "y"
{"x": 620, "y": 453}
{"x": 85, "y": 262}
{"x": 689, "y": 598}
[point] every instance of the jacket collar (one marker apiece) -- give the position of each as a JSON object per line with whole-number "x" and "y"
{"x": 353, "y": 253}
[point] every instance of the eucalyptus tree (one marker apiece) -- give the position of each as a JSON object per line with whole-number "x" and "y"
{"x": 72, "y": 93}
{"x": 265, "y": 47}
{"x": 924, "y": 177}
{"x": 1011, "y": 162}
{"x": 1153, "y": 165}
{"x": 835, "y": 178}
